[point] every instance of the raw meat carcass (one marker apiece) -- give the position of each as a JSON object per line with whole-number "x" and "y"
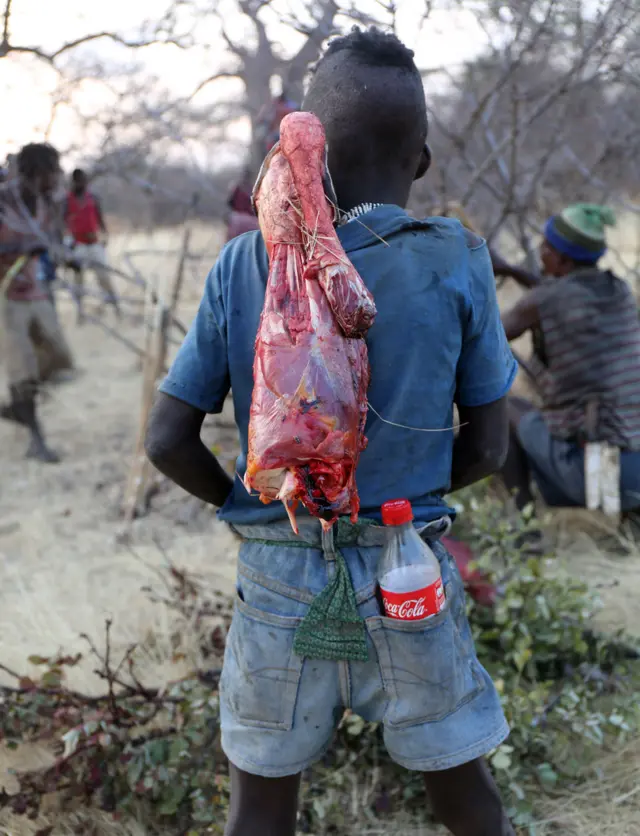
{"x": 311, "y": 370}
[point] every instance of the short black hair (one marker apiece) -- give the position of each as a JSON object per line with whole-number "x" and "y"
{"x": 372, "y": 46}
{"x": 369, "y": 95}
{"x": 78, "y": 172}
{"x": 38, "y": 158}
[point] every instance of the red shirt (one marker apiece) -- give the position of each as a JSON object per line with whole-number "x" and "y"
{"x": 83, "y": 217}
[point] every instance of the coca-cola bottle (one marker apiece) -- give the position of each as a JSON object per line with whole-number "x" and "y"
{"x": 409, "y": 574}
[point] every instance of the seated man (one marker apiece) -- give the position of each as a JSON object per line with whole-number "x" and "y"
{"x": 586, "y": 336}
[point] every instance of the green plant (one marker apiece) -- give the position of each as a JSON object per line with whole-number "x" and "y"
{"x": 155, "y": 753}
{"x": 566, "y": 691}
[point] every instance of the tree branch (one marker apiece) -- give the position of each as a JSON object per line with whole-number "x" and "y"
{"x": 51, "y": 57}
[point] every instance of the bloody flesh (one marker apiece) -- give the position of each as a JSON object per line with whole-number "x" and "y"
{"x": 311, "y": 370}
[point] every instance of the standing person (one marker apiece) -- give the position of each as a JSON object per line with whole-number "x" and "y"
{"x": 437, "y": 331}
{"x": 27, "y": 224}
{"x": 242, "y": 218}
{"x": 586, "y": 339}
{"x": 85, "y": 221}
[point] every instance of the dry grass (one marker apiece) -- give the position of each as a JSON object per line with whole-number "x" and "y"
{"x": 608, "y": 805}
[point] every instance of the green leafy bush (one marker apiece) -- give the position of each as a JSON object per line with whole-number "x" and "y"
{"x": 566, "y": 691}
{"x": 155, "y": 754}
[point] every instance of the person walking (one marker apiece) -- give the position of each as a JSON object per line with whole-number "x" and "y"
{"x": 85, "y": 224}
{"x": 28, "y": 321}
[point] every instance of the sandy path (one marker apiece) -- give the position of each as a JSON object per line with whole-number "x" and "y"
{"x": 61, "y": 570}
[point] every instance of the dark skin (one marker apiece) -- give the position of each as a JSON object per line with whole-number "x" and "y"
{"x": 268, "y": 806}
{"x": 502, "y": 269}
{"x": 174, "y": 446}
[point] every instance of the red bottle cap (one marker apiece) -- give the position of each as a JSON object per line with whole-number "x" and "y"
{"x": 397, "y": 512}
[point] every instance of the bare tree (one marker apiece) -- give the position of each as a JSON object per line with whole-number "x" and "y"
{"x": 543, "y": 117}
{"x": 546, "y": 114}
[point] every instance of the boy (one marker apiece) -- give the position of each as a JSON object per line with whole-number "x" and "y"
{"x": 85, "y": 222}
{"x": 437, "y": 338}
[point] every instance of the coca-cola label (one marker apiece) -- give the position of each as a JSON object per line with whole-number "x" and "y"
{"x": 412, "y": 606}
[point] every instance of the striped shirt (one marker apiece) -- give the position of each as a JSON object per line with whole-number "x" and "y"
{"x": 591, "y": 341}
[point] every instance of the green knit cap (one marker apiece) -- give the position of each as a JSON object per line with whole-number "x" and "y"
{"x": 579, "y": 231}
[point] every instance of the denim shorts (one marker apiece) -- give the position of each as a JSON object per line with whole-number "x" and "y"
{"x": 422, "y": 681}
{"x": 557, "y": 466}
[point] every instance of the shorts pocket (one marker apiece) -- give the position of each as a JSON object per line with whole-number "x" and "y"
{"x": 427, "y": 669}
{"x": 261, "y": 673}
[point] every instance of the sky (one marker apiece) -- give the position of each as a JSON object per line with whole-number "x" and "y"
{"x": 28, "y": 86}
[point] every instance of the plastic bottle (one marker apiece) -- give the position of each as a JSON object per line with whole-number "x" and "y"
{"x": 409, "y": 574}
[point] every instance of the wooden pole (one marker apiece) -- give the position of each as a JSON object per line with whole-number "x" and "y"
{"x": 156, "y": 345}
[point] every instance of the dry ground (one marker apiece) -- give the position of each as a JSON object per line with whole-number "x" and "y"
{"x": 62, "y": 571}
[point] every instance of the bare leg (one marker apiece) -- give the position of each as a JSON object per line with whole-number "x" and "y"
{"x": 515, "y": 472}
{"x": 265, "y": 806}
{"x": 466, "y": 800}
{"x": 106, "y": 285}
{"x": 78, "y": 293}
{"x": 22, "y": 410}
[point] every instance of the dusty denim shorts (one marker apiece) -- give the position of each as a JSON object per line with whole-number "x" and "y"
{"x": 422, "y": 681}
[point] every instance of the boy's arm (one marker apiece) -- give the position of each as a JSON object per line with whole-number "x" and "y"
{"x": 197, "y": 384}
{"x": 482, "y": 443}
{"x": 174, "y": 446}
{"x": 486, "y": 370}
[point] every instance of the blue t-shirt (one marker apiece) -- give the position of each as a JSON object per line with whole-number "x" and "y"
{"x": 437, "y": 337}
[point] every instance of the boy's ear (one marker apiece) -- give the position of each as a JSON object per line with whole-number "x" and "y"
{"x": 425, "y": 162}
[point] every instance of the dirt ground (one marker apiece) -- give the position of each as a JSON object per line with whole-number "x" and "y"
{"x": 62, "y": 569}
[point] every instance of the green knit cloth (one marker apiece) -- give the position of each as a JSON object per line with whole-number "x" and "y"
{"x": 332, "y": 629}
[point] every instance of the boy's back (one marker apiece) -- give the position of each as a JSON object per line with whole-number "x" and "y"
{"x": 437, "y": 336}
{"x": 308, "y": 640}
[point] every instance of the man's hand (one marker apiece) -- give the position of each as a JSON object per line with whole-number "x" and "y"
{"x": 482, "y": 443}
{"x": 174, "y": 446}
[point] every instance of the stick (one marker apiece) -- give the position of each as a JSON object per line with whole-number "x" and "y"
{"x": 130, "y": 345}
{"x": 154, "y": 364}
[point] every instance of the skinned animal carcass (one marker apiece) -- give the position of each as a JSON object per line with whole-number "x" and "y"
{"x": 311, "y": 370}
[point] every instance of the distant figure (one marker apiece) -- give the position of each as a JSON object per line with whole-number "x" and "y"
{"x": 12, "y": 166}
{"x": 85, "y": 221}
{"x": 28, "y": 322}
{"x": 242, "y": 218}
{"x": 586, "y": 338}
{"x": 270, "y": 117}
